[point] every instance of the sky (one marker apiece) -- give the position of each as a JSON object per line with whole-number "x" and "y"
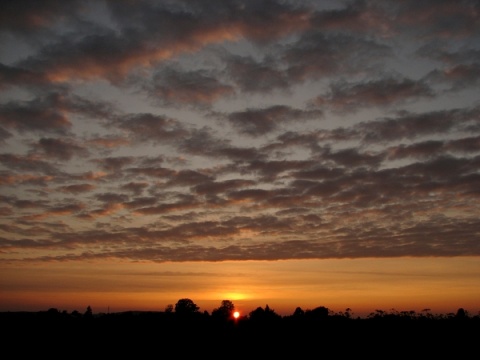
{"x": 280, "y": 153}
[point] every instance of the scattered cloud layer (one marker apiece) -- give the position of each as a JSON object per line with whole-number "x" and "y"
{"x": 239, "y": 130}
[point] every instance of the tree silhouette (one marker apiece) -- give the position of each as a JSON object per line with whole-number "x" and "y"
{"x": 267, "y": 314}
{"x": 185, "y": 307}
{"x": 348, "y": 313}
{"x": 88, "y": 313}
{"x": 298, "y": 313}
{"x": 225, "y": 311}
{"x": 318, "y": 313}
{"x": 461, "y": 313}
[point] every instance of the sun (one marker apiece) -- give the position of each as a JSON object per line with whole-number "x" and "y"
{"x": 236, "y": 314}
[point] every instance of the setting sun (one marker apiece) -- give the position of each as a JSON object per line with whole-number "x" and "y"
{"x": 236, "y": 314}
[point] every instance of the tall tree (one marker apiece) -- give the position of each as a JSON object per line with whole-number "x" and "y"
{"x": 186, "y": 306}
{"x": 225, "y": 311}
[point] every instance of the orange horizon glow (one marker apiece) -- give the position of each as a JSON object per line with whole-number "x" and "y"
{"x": 362, "y": 285}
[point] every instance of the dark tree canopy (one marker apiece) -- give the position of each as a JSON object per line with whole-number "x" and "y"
{"x": 320, "y": 312}
{"x": 298, "y": 312}
{"x": 267, "y": 314}
{"x": 225, "y": 311}
{"x": 186, "y": 306}
{"x": 88, "y": 312}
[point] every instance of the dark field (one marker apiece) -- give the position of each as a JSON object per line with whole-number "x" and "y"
{"x": 169, "y": 335}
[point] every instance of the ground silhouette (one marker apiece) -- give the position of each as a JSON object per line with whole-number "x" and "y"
{"x": 184, "y": 330}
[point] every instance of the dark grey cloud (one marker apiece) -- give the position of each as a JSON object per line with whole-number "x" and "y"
{"x": 29, "y": 16}
{"x": 204, "y": 142}
{"x": 317, "y": 55}
{"x": 4, "y": 134}
{"x": 437, "y": 19}
{"x": 251, "y": 76}
{"x": 457, "y": 70}
{"x": 371, "y": 18}
{"x": 344, "y": 97}
{"x": 42, "y": 114}
{"x": 144, "y": 33}
{"x": 27, "y": 164}
{"x": 59, "y": 149}
{"x": 258, "y": 122}
{"x": 135, "y": 187}
{"x": 411, "y": 125}
{"x": 16, "y": 76}
{"x": 77, "y": 188}
{"x": 239, "y": 130}
{"x": 458, "y": 77}
{"x": 51, "y": 112}
{"x": 187, "y": 88}
{"x": 150, "y": 127}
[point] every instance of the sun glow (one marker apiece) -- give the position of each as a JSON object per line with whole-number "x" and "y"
{"x": 236, "y": 314}
{"x": 235, "y": 296}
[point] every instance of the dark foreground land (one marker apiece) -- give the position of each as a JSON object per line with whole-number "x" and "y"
{"x": 160, "y": 335}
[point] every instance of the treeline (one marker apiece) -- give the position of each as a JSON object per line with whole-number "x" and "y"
{"x": 186, "y": 309}
{"x": 192, "y": 332}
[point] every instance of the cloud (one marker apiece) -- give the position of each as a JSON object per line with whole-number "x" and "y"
{"x": 187, "y": 88}
{"x": 267, "y": 73}
{"x": 317, "y": 55}
{"x": 154, "y": 32}
{"x": 28, "y": 164}
{"x": 77, "y": 188}
{"x": 16, "y": 76}
{"x": 59, "y": 149}
{"x": 345, "y": 98}
{"x": 42, "y": 114}
{"x": 432, "y": 19}
{"x": 30, "y": 16}
{"x": 238, "y": 130}
{"x": 258, "y": 122}
{"x": 408, "y": 125}
{"x": 150, "y": 127}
